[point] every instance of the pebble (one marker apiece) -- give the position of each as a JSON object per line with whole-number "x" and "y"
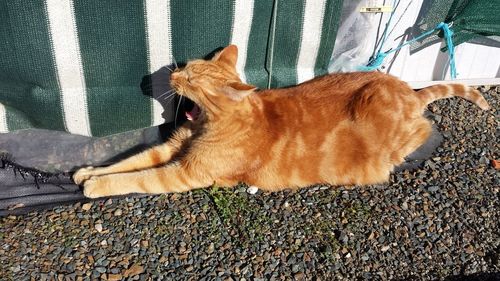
{"x": 252, "y": 190}
{"x": 433, "y": 188}
{"x": 16, "y": 268}
{"x": 134, "y": 270}
{"x": 98, "y": 227}
{"x": 114, "y": 277}
{"x": 86, "y": 206}
{"x": 299, "y": 276}
{"x": 404, "y": 205}
{"x": 100, "y": 269}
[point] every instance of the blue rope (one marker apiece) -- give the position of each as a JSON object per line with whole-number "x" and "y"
{"x": 448, "y": 34}
{"x": 377, "y": 61}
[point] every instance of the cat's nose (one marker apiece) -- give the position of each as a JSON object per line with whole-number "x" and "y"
{"x": 178, "y": 74}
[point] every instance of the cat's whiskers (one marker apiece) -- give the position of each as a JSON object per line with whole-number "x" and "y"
{"x": 166, "y": 66}
{"x": 169, "y": 100}
{"x": 167, "y": 92}
{"x": 170, "y": 97}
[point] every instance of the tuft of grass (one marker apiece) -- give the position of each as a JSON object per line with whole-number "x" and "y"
{"x": 358, "y": 210}
{"x": 162, "y": 197}
{"x": 324, "y": 231}
{"x": 240, "y": 215}
{"x": 226, "y": 202}
{"x": 357, "y": 213}
{"x": 163, "y": 230}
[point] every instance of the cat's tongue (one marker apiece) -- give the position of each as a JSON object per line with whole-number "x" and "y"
{"x": 193, "y": 114}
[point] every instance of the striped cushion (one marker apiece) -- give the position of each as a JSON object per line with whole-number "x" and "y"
{"x": 77, "y": 66}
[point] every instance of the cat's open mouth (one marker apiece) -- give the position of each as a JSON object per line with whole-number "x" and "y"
{"x": 194, "y": 113}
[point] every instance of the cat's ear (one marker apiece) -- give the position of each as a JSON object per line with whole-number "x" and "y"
{"x": 228, "y": 55}
{"x": 237, "y": 91}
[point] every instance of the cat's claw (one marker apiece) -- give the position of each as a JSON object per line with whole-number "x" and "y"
{"x": 83, "y": 174}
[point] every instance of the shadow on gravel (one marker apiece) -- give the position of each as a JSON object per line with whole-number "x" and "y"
{"x": 475, "y": 277}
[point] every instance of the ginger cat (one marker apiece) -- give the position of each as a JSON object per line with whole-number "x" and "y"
{"x": 338, "y": 129}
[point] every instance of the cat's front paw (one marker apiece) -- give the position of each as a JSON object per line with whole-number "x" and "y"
{"x": 83, "y": 174}
{"x": 94, "y": 188}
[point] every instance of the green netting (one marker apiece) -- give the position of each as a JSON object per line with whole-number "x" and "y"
{"x": 77, "y": 66}
{"x": 473, "y": 18}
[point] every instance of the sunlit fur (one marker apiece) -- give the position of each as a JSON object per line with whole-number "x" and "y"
{"x": 338, "y": 129}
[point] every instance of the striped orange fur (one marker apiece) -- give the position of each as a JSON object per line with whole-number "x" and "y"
{"x": 338, "y": 129}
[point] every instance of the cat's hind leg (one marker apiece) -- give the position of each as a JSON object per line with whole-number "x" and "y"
{"x": 412, "y": 141}
{"x": 150, "y": 158}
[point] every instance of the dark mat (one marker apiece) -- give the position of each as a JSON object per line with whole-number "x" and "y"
{"x": 25, "y": 189}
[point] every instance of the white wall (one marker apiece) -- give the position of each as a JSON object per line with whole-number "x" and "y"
{"x": 475, "y": 64}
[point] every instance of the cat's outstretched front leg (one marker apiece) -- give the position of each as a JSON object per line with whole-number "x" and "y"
{"x": 150, "y": 158}
{"x": 171, "y": 178}
{"x": 147, "y": 159}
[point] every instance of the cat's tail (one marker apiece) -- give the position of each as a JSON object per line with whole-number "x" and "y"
{"x": 436, "y": 92}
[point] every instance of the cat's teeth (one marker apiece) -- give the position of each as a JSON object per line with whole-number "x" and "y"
{"x": 193, "y": 114}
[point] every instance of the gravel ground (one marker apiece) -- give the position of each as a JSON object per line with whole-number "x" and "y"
{"x": 437, "y": 222}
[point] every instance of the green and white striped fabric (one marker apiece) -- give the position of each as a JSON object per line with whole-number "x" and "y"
{"x": 77, "y": 66}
